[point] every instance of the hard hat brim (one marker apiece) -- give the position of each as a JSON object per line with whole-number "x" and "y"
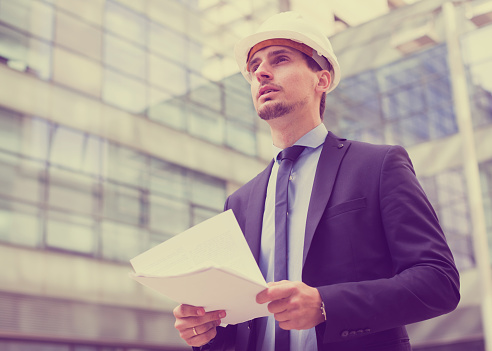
{"x": 242, "y": 48}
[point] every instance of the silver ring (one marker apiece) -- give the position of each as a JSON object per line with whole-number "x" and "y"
{"x": 194, "y": 331}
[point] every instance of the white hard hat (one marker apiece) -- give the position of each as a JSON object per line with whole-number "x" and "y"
{"x": 292, "y": 26}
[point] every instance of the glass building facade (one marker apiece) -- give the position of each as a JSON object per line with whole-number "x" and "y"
{"x": 124, "y": 122}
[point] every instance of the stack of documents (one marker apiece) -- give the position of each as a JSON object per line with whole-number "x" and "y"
{"x": 208, "y": 265}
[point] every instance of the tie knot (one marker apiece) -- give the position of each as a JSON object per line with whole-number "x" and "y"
{"x": 291, "y": 153}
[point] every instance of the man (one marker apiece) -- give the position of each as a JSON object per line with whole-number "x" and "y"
{"x": 364, "y": 255}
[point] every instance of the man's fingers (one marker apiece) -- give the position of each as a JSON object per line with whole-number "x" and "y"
{"x": 201, "y": 329}
{"x": 203, "y": 338}
{"x": 183, "y": 311}
{"x": 192, "y": 320}
{"x": 275, "y": 291}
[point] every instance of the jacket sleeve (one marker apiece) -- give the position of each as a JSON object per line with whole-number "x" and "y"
{"x": 424, "y": 282}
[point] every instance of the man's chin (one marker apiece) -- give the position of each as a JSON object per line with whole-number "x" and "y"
{"x": 271, "y": 111}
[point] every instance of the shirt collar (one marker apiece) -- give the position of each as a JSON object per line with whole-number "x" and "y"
{"x": 312, "y": 139}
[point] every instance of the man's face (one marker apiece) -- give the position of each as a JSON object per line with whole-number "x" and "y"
{"x": 281, "y": 81}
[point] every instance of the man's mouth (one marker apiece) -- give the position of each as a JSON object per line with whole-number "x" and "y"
{"x": 266, "y": 90}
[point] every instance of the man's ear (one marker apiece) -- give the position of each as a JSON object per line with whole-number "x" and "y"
{"x": 324, "y": 81}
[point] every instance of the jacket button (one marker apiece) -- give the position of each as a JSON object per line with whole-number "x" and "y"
{"x": 345, "y": 333}
{"x": 340, "y": 145}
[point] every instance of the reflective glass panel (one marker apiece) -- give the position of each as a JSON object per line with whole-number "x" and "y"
{"x": 167, "y": 110}
{"x": 77, "y": 72}
{"x": 238, "y": 106}
{"x": 201, "y": 214}
{"x": 124, "y": 22}
{"x": 25, "y": 54}
{"x": 126, "y": 165}
{"x": 88, "y": 11}
{"x": 35, "y": 17}
{"x": 68, "y": 148}
{"x": 122, "y": 203}
{"x": 121, "y": 241}
{"x": 19, "y": 178}
{"x": 208, "y": 191}
{"x": 205, "y": 92}
{"x": 124, "y": 92}
{"x": 167, "y": 43}
{"x": 168, "y": 216}
{"x": 70, "y": 232}
{"x": 71, "y": 191}
{"x": 77, "y": 35}
{"x": 168, "y": 179}
{"x": 241, "y": 138}
{"x": 206, "y": 124}
{"x": 167, "y": 75}
{"x": 19, "y": 223}
{"x": 125, "y": 56}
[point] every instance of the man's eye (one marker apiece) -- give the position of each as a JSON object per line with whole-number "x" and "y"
{"x": 253, "y": 68}
{"x": 280, "y": 59}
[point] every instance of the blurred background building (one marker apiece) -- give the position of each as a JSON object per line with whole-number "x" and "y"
{"x": 124, "y": 122}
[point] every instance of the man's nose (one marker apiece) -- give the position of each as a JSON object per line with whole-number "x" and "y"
{"x": 263, "y": 72}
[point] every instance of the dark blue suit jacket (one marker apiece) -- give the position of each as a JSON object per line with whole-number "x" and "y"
{"x": 373, "y": 247}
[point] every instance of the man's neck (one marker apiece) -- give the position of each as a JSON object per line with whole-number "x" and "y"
{"x": 286, "y": 131}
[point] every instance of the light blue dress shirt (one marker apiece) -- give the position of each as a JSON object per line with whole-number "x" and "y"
{"x": 299, "y": 194}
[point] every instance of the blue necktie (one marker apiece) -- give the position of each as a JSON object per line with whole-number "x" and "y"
{"x": 287, "y": 158}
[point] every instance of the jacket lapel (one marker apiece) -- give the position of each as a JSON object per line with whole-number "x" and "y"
{"x": 331, "y": 156}
{"x": 254, "y": 213}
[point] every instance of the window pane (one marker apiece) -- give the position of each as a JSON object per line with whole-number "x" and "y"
{"x": 122, "y": 204}
{"x": 70, "y": 232}
{"x": 167, "y": 75}
{"x": 90, "y": 11}
{"x": 241, "y": 138}
{"x": 123, "y": 21}
{"x": 25, "y": 54}
{"x": 67, "y": 148}
{"x": 207, "y": 191}
{"x": 19, "y": 223}
{"x": 92, "y": 158}
{"x": 238, "y": 106}
{"x": 121, "y": 241}
{"x": 77, "y": 72}
{"x": 13, "y": 45}
{"x": 205, "y": 92}
{"x": 19, "y": 178}
{"x": 171, "y": 13}
{"x": 167, "y": 43}
{"x": 167, "y": 110}
{"x": 71, "y": 191}
{"x": 206, "y": 124}
{"x": 39, "y": 58}
{"x": 34, "y": 17}
{"x": 168, "y": 179}
{"x": 88, "y": 39}
{"x": 10, "y": 130}
{"x": 126, "y": 165}
{"x": 168, "y": 216}
{"x": 124, "y": 56}
{"x": 124, "y": 92}
{"x": 202, "y": 214}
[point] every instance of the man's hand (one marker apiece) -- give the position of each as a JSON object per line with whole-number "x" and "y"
{"x": 294, "y": 305}
{"x": 196, "y": 326}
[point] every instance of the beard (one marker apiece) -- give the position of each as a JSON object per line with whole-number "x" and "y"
{"x": 277, "y": 109}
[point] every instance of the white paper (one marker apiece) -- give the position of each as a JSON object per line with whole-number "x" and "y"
{"x": 208, "y": 265}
